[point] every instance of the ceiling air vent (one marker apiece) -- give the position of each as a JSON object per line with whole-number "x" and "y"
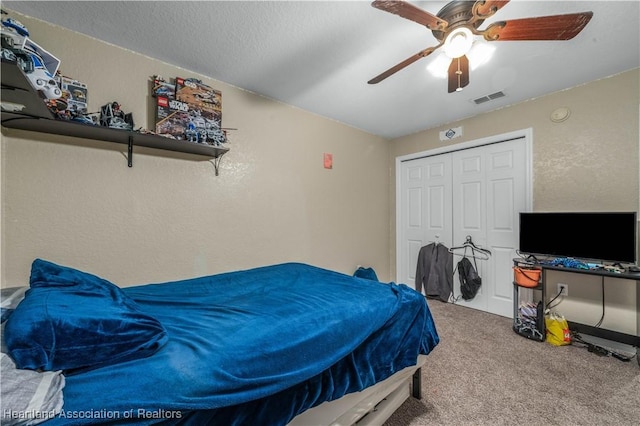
{"x": 488, "y": 98}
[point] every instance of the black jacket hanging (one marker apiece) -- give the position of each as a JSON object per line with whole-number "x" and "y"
{"x": 470, "y": 282}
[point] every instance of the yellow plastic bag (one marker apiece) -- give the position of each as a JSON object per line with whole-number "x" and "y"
{"x": 558, "y": 333}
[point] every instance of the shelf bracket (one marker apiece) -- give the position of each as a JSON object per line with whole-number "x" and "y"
{"x": 130, "y": 152}
{"x": 216, "y": 163}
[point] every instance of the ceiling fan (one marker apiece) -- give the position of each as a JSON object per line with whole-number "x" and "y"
{"x": 456, "y": 24}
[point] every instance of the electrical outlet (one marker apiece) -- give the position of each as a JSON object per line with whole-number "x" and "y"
{"x": 563, "y": 289}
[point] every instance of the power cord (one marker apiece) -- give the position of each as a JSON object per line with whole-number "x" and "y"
{"x": 576, "y": 338}
{"x": 549, "y": 307}
{"x": 599, "y": 350}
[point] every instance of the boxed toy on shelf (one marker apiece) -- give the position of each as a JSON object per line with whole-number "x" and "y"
{"x": 163, "y": 88}
{"x": 74, "y": 92}
{"x": 201, "y": 98}
{"x": 188, "y": 110}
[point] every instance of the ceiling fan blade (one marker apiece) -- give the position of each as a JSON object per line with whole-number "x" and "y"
{"x": 556, "y": 27}
{"x": 411, "y": 12}
{"x": 458, "y": 74}
{"x": 403, "y": 64}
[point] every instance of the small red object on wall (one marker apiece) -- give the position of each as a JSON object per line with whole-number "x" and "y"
{"x": 328, "y": 161}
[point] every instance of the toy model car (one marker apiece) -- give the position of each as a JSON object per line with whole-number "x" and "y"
{"x": 83, "y": 119}
{"x": 24, "y": 60}
{"x": 12, "y": 39}
{"x": 215, "y": 134}
{"x": 29, "y": 56}
{"x": 9, "y": 55}
{"x": 112, "y": 116}
{"x": 41, "y": 79}
{"x": 16, "y": 26}
{"x": 11, "y": 49}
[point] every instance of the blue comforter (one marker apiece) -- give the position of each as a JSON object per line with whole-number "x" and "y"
{"x": 256, "y": 347}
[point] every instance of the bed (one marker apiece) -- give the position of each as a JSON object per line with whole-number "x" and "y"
{"x": 282, "y": 344}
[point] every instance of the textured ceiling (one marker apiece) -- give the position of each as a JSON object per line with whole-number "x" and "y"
{"x": 319, "y": 55}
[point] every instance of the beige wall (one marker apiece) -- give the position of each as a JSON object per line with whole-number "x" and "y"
{"x": 588, "y": 162}
{"x": 169, "y": 217}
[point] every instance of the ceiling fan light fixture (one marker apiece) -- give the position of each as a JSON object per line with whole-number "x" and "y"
{"x": 480, "y": 53}
{"x": 458, "y": 42}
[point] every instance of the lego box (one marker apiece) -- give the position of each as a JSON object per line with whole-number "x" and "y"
{"x": 200, "y": 97}
{"x": 182, "y": 122}
{"x": 74, "y": 92}
{"x": 163, "y": 88}
{"x": 192, "y": 112}
{"x": 172, "y": 117}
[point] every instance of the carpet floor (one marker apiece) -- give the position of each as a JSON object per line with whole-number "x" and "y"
{"x": 482, "y": 373}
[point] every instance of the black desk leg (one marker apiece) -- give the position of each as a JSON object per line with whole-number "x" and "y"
{"x": 638, "y": 321}
{"x": 416, "y": 388}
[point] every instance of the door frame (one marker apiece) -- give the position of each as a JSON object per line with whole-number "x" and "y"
{"x": 527, "y": 138}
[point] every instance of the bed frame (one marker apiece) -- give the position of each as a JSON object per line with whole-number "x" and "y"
{"x": 372, "y": 406}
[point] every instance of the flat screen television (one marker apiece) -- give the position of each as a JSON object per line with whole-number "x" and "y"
{"x": 602, "y": 236}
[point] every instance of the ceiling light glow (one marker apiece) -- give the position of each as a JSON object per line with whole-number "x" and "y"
{"x": 439, "y": 65}
{"x": 458, "y": 42}
{"x": 480, "y": 54}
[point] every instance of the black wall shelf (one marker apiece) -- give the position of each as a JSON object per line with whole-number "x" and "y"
{"x": 35, "y": 116}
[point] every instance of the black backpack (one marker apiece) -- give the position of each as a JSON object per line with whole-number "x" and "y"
{"x": 470, "y": 282}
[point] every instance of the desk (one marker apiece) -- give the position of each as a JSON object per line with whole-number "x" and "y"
{"x": 634, "y": 276}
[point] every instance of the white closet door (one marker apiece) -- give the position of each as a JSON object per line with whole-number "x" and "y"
{"x": 489, "y": 192}
{"x": 469, "y": 216}
{"x": 506, "y": 183}
{"x": 425, "y": 193}
{"x": 477, "y": 191}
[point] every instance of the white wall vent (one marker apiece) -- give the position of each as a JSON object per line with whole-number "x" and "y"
{"x": 488, "y": 98}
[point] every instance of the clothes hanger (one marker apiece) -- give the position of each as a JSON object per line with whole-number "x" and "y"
{"x": 436, "y": 241}
{"x": 470, "y": 244}
{"x": 476, "y": 252}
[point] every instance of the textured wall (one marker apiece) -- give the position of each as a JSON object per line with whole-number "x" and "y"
{"x": 169, "y": 217}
